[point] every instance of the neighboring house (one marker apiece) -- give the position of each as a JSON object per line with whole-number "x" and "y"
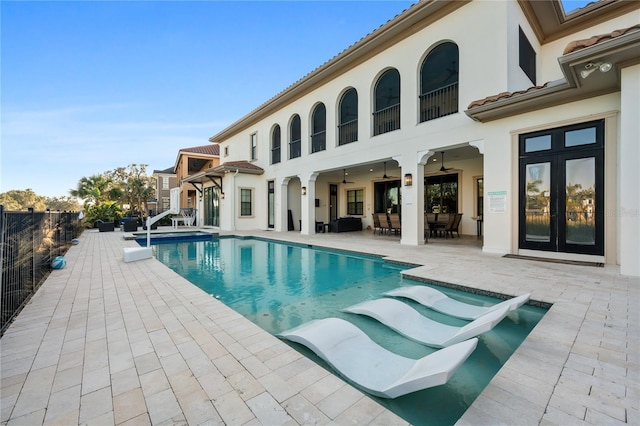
{"x": 190, "y": 162}
{"x": 509, "y": 112}
{"x": 164, "y": 181}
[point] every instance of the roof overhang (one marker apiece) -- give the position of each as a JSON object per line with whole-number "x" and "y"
{"x": 215, "y": 173}
{"x": 549, "y": 21}
{"x": 620, "y": 52}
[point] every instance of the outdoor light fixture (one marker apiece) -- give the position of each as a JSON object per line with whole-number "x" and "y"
{"x": 408, "y": 179}
{"x": 592, "y": 66}
{"x": 303, "y": 190}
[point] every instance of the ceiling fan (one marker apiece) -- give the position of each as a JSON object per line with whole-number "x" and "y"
{"x": 443, "y": 168}
{"x": 384, "y": 176}
{"x": 344, "y": 176}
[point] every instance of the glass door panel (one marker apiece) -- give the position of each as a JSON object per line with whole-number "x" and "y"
{"x": 538, "y": 206}
{"x": 271, "y": 204}
{"x": 580, "y": 201}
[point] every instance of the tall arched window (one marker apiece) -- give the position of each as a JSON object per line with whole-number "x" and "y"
{"x": 295, "y": 137}
{"x": 275, "y": 144}
{"x": 439, "y": 82}
{"x": 386, "y": 115}
{"x": 348, "y": 124}
{"x": 319, "y": 128}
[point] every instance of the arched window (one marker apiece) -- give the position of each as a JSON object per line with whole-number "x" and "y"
{"x": 275, "y": 144}
{"x": 319, "y": 128}
{"x": 386, "y": 115}
{"x": 348, "y": 124}
{"x": 439, "y": 82}
{"x": 295, "y": 137}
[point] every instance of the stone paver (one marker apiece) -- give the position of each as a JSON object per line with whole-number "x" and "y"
{"x": 108, "y": 342}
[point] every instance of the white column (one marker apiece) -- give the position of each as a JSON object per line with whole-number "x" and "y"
{"x": 629, "y": 172}
{"x": 308, "y": 207}
{"x": 281, "y": 204}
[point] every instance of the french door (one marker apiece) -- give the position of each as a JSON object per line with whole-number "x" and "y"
{"x": 562, "y": 189}
{"x": 271, "y": 204}
{"x": 211, "y": 206}
{"x": 333, "y": 202}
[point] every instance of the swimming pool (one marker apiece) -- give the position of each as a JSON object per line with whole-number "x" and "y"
{"x": 279, "y": 286}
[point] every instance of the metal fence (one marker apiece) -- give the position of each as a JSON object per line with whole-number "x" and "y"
{"x": 28, "y": 242}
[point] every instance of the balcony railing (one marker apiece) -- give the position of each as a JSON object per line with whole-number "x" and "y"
{"x": 295, "y": 148}
{"x": 386, "y": 120}
{"x": 348, "y": 132}
{"x": 319, "y": 141}
{"x": 275, "y": 155}
{"x": 439, "y": 103}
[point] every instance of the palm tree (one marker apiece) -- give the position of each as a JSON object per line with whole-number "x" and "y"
{"x": 94, "y": 189}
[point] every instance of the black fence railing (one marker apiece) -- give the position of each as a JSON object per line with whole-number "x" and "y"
{"x": 28, "y": 242}
{"x": 348, "y": 132}
{"x": 386, "y": 120}
{"x": 319, "y": 141}
{"x": 438, "y": 103}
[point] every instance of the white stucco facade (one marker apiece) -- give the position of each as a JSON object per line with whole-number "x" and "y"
{"x": 483, "y": 145}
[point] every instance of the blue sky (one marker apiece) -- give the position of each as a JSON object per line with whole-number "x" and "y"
{"x": 91, "y": 86}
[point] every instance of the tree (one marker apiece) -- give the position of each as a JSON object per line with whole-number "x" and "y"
{"x": 22, "y": 200}
{"x": 96, "y": 189}
{"x": 136, "y": 187}
{"x": 69, "y": 204}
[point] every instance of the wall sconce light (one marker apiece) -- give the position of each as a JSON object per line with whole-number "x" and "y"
{"x": 408, "y": 179}
{"x": 592, "y": 66}
{"x": 303, "y": 190}
{"x": 222, "y": 195}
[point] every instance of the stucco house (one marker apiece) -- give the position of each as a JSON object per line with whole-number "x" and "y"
{"x": 164, "y": 180}
{"x": 194, "y": 161}
{"x": 513, "y": 113}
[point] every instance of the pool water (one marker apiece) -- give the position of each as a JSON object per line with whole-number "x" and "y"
{"x": 279, "y": 286}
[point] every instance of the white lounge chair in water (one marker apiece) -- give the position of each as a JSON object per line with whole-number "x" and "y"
{"x": 410, "y": 323}
{"x": 376, "y": 370}
{"x": 438, "y": 301}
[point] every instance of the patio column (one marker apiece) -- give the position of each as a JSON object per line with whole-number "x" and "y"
{"x": 412, "y": 179}
{"x": 629, "y": 201}
{"x": 307, "y": 204}
{"x": 282, "y": 201}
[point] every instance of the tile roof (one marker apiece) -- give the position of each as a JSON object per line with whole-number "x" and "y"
{"x": 168, "y": 170}
{"x": 588, "y": 42}
{"x": 503, "y": 95}
{"x": 210, "y": 149}
{"x": 244, "y": 165}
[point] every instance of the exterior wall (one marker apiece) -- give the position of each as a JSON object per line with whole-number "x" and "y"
{"x": 480, "y": 74}
{"x": 627, "y": 211}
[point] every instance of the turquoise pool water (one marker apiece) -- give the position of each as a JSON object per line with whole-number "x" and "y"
{"x": 279, "y": 286}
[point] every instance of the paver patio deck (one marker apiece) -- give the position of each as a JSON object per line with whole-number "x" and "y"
{"x": 108, "y": 342}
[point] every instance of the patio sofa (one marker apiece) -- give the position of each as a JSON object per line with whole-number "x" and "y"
{"x": 346, "y": 224}
{"x": 106, "y": 226}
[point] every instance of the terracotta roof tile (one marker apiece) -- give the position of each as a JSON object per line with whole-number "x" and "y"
{"x": 587, "y": 42}
{"x": 210, "y": 149}
{"x": 503, "y": 95}
{"x": 246, "y": 165}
